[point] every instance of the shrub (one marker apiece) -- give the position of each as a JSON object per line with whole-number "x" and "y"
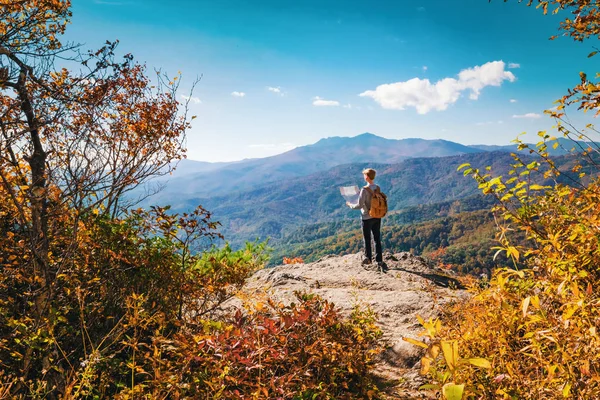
{"x": 534, "y": 327}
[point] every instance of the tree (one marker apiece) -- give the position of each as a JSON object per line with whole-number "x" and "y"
{"x": 99, "y": 300}
{"x": 73, "y": 142}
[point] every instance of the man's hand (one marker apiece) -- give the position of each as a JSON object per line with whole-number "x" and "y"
{"x": 348, "y": 204}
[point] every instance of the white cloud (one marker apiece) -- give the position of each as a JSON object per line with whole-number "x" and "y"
{"x": 528, "y": 115}
{"x": 513, "y": 100}
{"x": 425, "y": 96}
{"x": 425, "y": 68}
{"x": 276, "y": 90}
{"x": 192, "y": 99}
{"x": 514, "y": 65}
{"x": 319, "y": 102}
{"x": 347, "y": 106}
{"x": 489, "y": 123}
{"x": 238, "y": 94}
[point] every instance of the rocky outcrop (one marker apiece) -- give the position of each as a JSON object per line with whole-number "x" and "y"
{"x": 410, "y": 287}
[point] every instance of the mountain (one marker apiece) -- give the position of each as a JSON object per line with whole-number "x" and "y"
{"x": 189, "y": 167}
{"x": 302, "y": 161}
{"x": 186, "y": 167}
{"x": 565, "y": 146}
{"x": 369, "y": 147}
{"x": 201, "y": 179}
{"x": 273, "y": 209}
{"x": 278, "y": 208}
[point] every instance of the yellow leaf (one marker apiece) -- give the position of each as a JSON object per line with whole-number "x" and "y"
{"x": 537, "y": 187}
{"x": 425, "y": 365}
{"x": 569, "y": 312}
{"x": 433, "y": 350}
{"x": 535, "y": 301}
{"x": 525, "y": 305}
{"x": 480, "y": 362}
{"x": 415, "y": 342}
{"x": 450, "y": 351}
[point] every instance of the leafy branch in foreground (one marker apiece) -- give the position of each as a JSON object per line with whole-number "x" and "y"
{"x": 535, "y": 329}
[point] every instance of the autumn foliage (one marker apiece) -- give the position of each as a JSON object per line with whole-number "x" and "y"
{"x": 532, "y": 331}
{"x": 99, "y": 299}
{"x": 294, "y": 260}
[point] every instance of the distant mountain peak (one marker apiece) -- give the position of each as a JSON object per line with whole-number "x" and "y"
{"x": 367, "y": 134}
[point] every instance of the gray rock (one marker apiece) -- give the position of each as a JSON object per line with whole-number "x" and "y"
{"x": 411, "y": 287}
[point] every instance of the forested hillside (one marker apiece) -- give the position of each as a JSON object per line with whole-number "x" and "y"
{"x": 276, "y": 210}
{"x": 461, "y": 242}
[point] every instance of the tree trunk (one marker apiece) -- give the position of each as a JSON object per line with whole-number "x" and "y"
{"x": 39, "y": 218}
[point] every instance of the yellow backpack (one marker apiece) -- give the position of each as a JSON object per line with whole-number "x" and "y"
{"x": 378, "y": 202}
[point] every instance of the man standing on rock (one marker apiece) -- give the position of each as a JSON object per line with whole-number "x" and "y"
{"x": 369, "y": 224}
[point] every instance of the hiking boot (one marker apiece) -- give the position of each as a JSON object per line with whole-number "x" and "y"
{"x": 382, "y": 266}
{"x": 366, "y": 261}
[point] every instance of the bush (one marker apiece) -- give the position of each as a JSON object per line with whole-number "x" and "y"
{"x": 533, "y": 330}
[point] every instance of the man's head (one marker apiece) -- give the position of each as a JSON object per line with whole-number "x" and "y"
{"x": 369, "y": 173}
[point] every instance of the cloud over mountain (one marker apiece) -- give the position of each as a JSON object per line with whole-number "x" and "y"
{"x": 425, "y": 96}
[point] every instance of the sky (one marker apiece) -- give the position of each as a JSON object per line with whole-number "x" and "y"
{"x": 277, "y": 74}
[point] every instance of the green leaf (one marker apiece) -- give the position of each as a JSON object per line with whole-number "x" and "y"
{"x": 452, "y": 391}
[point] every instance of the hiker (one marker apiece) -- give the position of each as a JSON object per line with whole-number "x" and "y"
{"x": 370, "y": 224}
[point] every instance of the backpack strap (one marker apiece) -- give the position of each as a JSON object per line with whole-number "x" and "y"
{"x": 371, "y": 192}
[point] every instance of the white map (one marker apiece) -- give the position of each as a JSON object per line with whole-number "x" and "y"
{"x": 350, "y": 193}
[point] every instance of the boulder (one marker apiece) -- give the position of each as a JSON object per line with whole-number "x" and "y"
{"x": 411, "y": 286}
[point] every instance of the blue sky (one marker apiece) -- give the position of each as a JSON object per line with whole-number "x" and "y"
{"x": 280, "y": 74}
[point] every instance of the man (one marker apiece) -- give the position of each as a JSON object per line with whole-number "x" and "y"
{"x": 370, "y": 225}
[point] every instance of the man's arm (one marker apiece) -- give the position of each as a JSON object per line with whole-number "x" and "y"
{"x": 361, "y": 201}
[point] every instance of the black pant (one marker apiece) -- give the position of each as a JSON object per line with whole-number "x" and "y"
{"x": 368, "y": 226}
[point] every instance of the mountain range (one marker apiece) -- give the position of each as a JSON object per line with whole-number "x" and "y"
{"x": 195, "y": 179}
{"x": 277, "y": 208}
{"x": 273, "y": 196}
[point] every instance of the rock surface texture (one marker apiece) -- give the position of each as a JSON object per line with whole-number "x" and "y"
{"x": 410, "y": 287}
